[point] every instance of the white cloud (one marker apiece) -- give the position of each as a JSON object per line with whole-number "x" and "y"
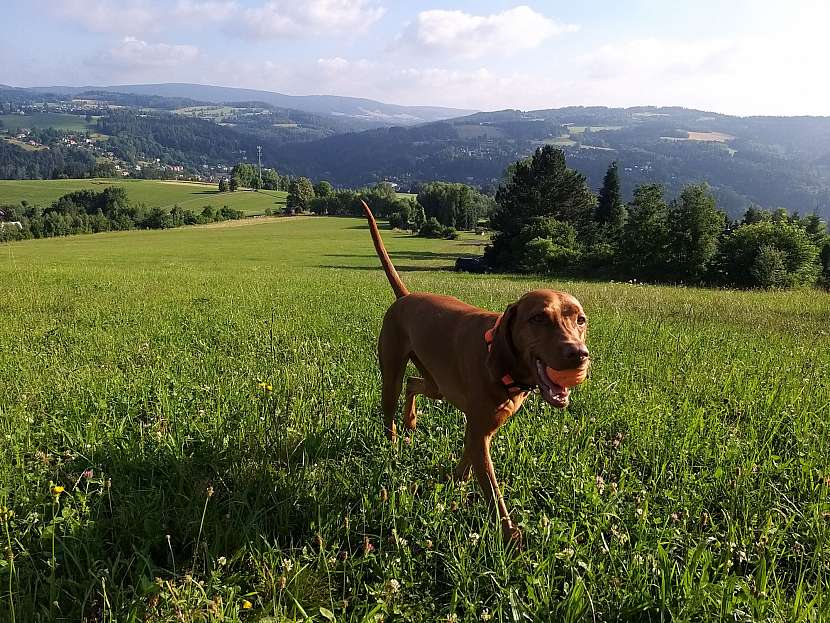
{"x": 196, "y": 11}
{"x": 289, "y": 18}
{"x": 474, "y": 36}
{"x": 658, "y": 58}
{"x": 382, "y": 80}
{"x": 104, "y": 16}
{"x": 132, "y": 53}
{"x": 774, "y": 74}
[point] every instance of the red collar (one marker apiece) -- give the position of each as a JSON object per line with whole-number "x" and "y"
{"x": 512, "y": 386}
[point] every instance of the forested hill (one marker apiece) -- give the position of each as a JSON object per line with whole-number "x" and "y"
{"x": 770, "y": 161}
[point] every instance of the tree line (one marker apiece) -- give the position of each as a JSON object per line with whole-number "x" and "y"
{"x": 548, "y": 221}
{"x": 439, "y": 209}
{"x": 89, "y": 211}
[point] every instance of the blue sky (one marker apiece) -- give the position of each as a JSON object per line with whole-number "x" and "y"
{"x": 739, "y": 57}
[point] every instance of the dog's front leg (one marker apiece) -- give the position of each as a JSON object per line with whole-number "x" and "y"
{"x": 477, "y": 450}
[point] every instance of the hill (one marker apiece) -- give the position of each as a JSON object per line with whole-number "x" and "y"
{"x": 771, "y": 161}
{"x": 350, "y": 107}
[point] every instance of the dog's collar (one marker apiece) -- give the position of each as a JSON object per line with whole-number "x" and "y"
{"x": 512, "y": 386}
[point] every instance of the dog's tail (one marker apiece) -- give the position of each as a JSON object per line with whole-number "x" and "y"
{"x": 394, "y": 279}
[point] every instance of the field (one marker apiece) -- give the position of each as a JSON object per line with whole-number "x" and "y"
{"x": 580, "y": 129}
{"x": 59, "y": 121}
{"x": 152, "y": 193}
{"x": 192, "y": 432}
{"x": 712, "y": 137}
{"x": 23, "y": 145}
{"x": 717, "y": 137}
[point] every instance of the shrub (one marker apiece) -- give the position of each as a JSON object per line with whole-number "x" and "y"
{"x": 768, "y": 254}
{"x": 397, "y": 221}
{"x": 769, "y": 270}
{"x": 433, "y": 229}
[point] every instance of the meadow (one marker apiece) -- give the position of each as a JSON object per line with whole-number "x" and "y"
{"x": 153, "y": 193}
{"x": 59, "y": 121}
{"x": 192, "y": 432}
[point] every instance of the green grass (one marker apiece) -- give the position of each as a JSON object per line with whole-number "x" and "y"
{"x": 59, "y": 121}
{"x": 689, "y": 480}
{"x": 150, "y": 192}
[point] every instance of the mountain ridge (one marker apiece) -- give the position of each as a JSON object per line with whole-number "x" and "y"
{"x": 362, "y": 108}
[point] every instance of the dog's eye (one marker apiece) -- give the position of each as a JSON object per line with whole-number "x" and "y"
{"x": 539, "y": 318}
{"x": 581, "y": 320}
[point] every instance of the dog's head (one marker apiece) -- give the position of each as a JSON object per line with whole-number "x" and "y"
{"x": 543, "y": 329}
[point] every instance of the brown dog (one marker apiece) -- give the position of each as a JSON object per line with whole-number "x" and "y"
{"x": 484, "y": 363}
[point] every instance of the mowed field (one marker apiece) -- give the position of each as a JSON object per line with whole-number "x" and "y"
{"x": 208, "y": 401}
{"x": 153, "y": 193}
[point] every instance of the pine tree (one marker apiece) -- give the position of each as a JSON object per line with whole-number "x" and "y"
{"x": 541, "y": 186}
{"x": 611, "y": 213}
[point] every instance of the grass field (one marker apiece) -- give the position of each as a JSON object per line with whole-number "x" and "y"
{"x": 59, "y": 121}
{"x": 153, "y": 193}
{"x": 208, "y": 400}
{"x": 23, "y": 145}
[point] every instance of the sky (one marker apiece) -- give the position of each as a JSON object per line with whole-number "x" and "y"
{"x": 736, "y": 56}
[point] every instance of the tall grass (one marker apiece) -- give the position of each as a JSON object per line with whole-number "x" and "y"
{"x": 209, "y": 400}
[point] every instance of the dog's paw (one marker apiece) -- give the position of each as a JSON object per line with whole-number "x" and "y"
{"x": 512, "y": 537}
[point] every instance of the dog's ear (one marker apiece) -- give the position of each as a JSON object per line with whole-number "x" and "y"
{"x": 502, "y": 357}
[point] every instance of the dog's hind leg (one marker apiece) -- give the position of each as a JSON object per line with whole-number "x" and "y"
{"x": 424, "y": 385}
{"x": 393, "y": 355}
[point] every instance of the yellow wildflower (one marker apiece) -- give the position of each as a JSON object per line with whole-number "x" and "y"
{"x": 247, "y": 605}
{"x": 57, "y": 490}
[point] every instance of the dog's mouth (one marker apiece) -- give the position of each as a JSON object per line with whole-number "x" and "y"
{"x": 554, "y": 394}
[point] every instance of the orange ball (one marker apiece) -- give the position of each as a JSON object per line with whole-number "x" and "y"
{"x": 567, "y": 378}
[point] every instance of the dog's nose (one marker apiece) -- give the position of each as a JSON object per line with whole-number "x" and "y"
{"x": 577, "y": 352}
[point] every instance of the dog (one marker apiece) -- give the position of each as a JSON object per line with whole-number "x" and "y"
{"x": 485, "y": 364}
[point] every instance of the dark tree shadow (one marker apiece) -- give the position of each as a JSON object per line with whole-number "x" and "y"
{"x": 404, "y": 255}
{"x": 402, "y": 268}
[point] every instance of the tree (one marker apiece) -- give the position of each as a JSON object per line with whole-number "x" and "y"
{"x": 545, "y": 245}
{"x": 233, "y": 184}
{"x": 300, "y": 194}
{"x": 769, "y": 254}
{"x": 382, "y": 199}
{"x": 418, "y": 217}
{"x": 223, "y": 185}
{"x": 270, "y": 179}
{"x": 323, "y": 189}
{"x": 453, "y": 205}
{"x": 611, "y": 212}
{"x": 247, "y": 175}
{"x": 815, "y": 228}
{"x": 754, "y": 214}
{"x": 645, "y": 235}
{"x": 540, "y": 186}
{"x": 695, "y": 225}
